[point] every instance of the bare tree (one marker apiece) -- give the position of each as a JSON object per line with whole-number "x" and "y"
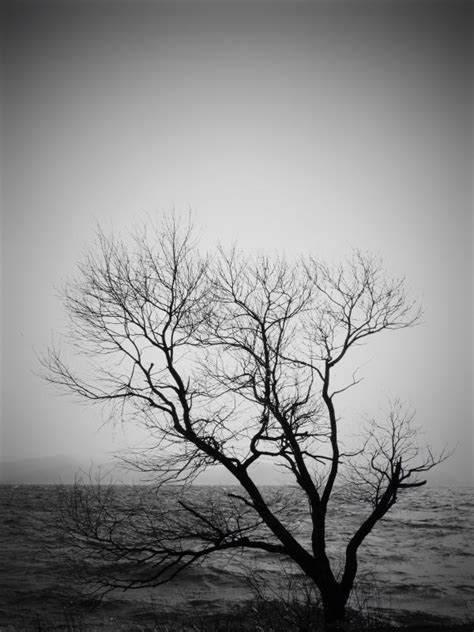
{"x": 228, "y": 360}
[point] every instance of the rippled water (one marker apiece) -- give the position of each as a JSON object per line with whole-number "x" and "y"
{"x": 420, "y": 558}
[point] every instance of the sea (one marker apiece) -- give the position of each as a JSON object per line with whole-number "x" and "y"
{"x": 418, "y": 559}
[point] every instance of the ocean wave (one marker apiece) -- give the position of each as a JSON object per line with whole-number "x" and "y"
{"x": 428, "y": 525}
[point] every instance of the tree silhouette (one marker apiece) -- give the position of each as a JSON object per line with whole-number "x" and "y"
{"x": 227, "y": 360}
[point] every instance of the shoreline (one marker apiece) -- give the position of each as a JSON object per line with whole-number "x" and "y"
{"x": 211, "y": 616}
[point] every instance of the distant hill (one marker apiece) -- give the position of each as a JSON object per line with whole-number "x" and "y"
{"x": 38, "y": 470}
{"x": 57, "y": 469}
{"x": 64, "y": 469}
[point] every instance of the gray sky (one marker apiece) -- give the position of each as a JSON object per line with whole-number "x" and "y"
{"x": 305, "y": 128}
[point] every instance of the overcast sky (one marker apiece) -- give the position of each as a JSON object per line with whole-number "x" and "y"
{"x": 294, "y": 127}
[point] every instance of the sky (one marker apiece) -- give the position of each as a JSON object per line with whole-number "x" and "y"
{"x": 293, "y": 127}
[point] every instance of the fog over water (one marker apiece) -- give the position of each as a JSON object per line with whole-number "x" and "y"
{"x": 293, "y": 127}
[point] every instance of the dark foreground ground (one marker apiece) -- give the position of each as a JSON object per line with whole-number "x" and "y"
{"x": 253, "y": 616}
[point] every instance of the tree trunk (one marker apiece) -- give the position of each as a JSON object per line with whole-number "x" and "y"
{"x": 334, "y": 604}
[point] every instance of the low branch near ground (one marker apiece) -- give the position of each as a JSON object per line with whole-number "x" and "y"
{"x": 135, "y": 537}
